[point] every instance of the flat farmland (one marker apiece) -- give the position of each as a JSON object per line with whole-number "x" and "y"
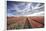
{"x": 23, "y": 22}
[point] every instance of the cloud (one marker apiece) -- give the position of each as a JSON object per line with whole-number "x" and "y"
{"x": 18, "y": 8}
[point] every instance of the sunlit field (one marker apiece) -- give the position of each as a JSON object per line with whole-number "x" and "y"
{"x": 23, "y": 22}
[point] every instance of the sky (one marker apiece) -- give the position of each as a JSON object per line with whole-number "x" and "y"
{"x": 23, "y": 8}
